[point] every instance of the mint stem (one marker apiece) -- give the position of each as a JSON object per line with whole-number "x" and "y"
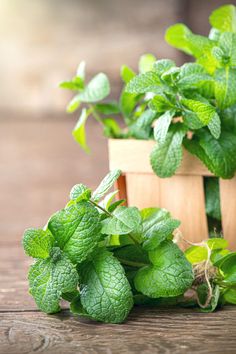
{"x": 101, "y": 208}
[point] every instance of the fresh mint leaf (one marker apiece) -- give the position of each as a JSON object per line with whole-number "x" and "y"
{"x": 126, "y": 73}
{"x": 204, "y": 111}
{"x": 203, "y": 291}
{"x": 76, "y": 230}
{"x": 221, "y": 152}
{"x": 163, "y": 65}
{"x": 157, "y": 227}
{"x": 227, "y": 44}
{"x": 227, "y": 269}
{"x": 230, "y": 296}
{"x": 146, "y": 62}
{"x": 124, "y": 221}
{"x": 160, "y": 103}
{"x": 127, "y": 104}
{"x": 105, "y": 185}
{"x": 180, "y": 37}
{"x": 165, "y": 158}
{"x": 143, "y": 83}
{"x": 170, "y": 274}
{"x": 80, "y": 192}
{"x": 142, "y": 127}
{"x": 80, "y": 72}
{"x": 49, "y": 278}
{"x": 224, "y": 18}
{"x": 79, "y": 133}
{"x": 215, "y": 126}
{"x": 107, "y": 108}
{"x": 38, "y": 243}
{"x": 105, "y": 292}
{"x": 111, "y": 127}
{"x": 225, "y": 87}
{"x": 162, "y": 125}
{"x": 73, "y": 105}
{"x": 97, "y": 89}
{"x": 132, "y": 255}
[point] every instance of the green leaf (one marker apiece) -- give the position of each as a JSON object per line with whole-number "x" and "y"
{"x": 197, "y": 254}
{"x": 227, "y": 268}
{"x": 230, "y": 296}
{"x": 157, "y": 227}
{"x": 73, "y": 104}
{"x": 80, "y": 192}
{"x": 142, "y": 127}
{"x": 228, "y": 119}
{"x": 75, "y": 84}
{"x": 79, "y": 133}
{"x": 165, "y": 158}
{"x": 124, "y": 221}
{"x": 105, "y": 291}
{"x": 107, "y": 108}
{"x": 146, "y": 62}
{"x": 169, "y": 275}
{"x": 163, "y": 65}
{"x": 49, "y": 278}
{"x": 132, "y": 255}
{"x": 106, "y": 184}
{"x": 76, "y": 230}
{"x": 111, "y": 127}
{"x": 225, "y": 87}
{"x": 195, "y": 76}
{"x": 224, "y": 18}
{"x": 203, "y": 291}
{"x": 143, "y": 83}
{"x": 37, "y": 243}
{"x": 128, "y": 102}
{"x": 212, "y": 197}
{"x": 221, "y": 152}
{"x": 81, "y": 70}
{"x": 160, "y": 103}
{"x": 126, "y": 73}
{"x": 215, "y": 126}
{"x": 227, "y": 44}
{"x": 204, "y": 111}
{"x": 107, "y": 201}
{"x": 180, "y": 37}
{"x": 162, "y": 125}
{"x": 96, "y": 90}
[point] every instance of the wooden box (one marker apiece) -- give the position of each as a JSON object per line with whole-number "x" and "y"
{"x": 182, "y": 194}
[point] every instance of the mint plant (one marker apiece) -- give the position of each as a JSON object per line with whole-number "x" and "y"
{"x": 103, "y": 258}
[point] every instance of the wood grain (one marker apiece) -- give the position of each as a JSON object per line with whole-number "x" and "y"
{"x": 148, "y": 331}
{"x": 132, "y": 156}
{"x": 228, "y": 210}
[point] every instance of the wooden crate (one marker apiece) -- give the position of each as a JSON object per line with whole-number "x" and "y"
{"x": 182, "y": 194}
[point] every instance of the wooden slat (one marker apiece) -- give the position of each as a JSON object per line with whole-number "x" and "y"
{"x": 183, "y": 196}
{"x": 132, "y": 156}
{"x": 228, "y": 210}
{"x": 143, "y": 190}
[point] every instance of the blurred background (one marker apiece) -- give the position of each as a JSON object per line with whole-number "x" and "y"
{"x": 42, "y": 42}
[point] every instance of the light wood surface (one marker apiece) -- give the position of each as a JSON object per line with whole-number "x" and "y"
{"x": 228, "y": 210}
{"x": 132, "y": 156}
{"x": 183, "y": 196}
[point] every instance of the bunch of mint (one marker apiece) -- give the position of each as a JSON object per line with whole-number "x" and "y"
{"x": 103, "y": 257}
{"x": 192, "y": 106}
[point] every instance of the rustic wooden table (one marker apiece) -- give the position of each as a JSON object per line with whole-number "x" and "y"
{"x": 34, "y": 183}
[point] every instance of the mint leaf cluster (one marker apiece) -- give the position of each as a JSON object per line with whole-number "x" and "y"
{"x": 192, "y": 106}
{"x": 103, "y": 258}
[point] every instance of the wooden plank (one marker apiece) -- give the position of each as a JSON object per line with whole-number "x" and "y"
{"x": 148, "y": 330}
{"x": 183, "y": 196}
{"x": 228, "y": 210}
{"x": 143, "y": 190}
{"x": 132, "y": 156}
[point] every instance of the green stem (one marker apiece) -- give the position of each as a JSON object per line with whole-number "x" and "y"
{"x": 95, "y": 114}
{"x": 101, "y": 208}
